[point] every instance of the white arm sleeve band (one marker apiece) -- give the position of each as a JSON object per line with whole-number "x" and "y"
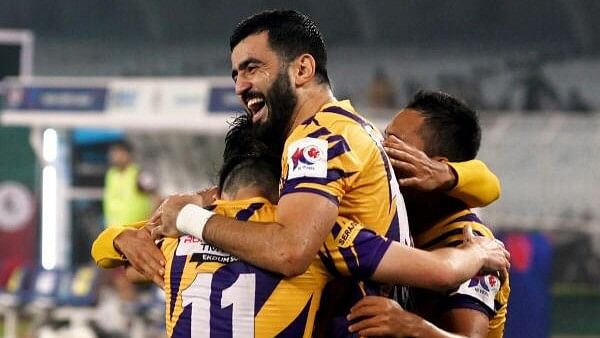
{"x": 192, "y": 219}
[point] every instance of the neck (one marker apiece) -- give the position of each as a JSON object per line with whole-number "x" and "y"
{"x": 310, "y": 100}
{"x": 243, "y": 193}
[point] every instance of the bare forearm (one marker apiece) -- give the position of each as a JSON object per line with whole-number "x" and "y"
{"x": 266, "y": 245}
{"x": 425, "y": 329}
{"x": 441, "y": 269}
{"x": 459, "y": 264}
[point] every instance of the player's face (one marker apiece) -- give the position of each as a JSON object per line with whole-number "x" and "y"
{"x": 118, "y": 157}
{"x": 406, "y": 126}
{"x": 258, "y": 71}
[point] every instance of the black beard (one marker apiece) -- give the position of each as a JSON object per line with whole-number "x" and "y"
{"x": 281, "y": 101}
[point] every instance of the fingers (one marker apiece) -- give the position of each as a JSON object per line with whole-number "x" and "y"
{"x": 363, "y": 324}
{"x": 157, "y": 232}
{"x": 468, "y": 235}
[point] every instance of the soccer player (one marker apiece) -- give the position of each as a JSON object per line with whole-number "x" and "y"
{"x": 333, "y": 162}
{"x": 200, "y": 278}
{"x": 445, "y": 129}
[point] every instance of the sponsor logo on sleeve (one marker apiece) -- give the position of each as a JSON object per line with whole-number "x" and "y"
{"x": 307, "y": 157}
{"x": 483, "y": 288}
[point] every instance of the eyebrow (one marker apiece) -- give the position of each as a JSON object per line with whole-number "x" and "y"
{"x": 243, "y": 65}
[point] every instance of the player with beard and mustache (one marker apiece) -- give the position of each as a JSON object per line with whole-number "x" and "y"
{"x": 333, "y": 161}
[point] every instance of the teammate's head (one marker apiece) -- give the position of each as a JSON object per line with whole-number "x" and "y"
{"x": 273, "y": 54}
{"x": 248, "y": 163}
{"x": 119, "y": 154}
{"x": 440, "y": 125}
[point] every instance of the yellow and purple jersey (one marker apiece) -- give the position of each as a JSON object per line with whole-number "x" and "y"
{"x": 482, "y": 293}
{"x": 210, "y": 293}
{"x": 339, "y": 155}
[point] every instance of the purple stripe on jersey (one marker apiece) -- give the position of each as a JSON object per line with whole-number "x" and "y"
{"x": 177, "y": 266}
{"x": 393, "y": 232}
{"x": 341, "y": 111}
{"x": 335, "y": 230}
{"x": 266, "y": 281}
{"x": 370, "y": 249}
{"x": 244, "y": 215}
{"x": 447, "y": 235}
{"x": 298, "y": 326}
{"x": 183, "y": 327}
{"x": 341, "y": 147}
{"x": 327, "y": 261}
{"x": 312, "y": 119}
{"x": 364, "y": 124}
{"x": 291, "y": 189}
{"x": 350, "y": 259}
{"x": 319, "y": 132}
{"x": 211, "y": 207}
{"x": 468, "y": 302}
{"x": 467, "y": 218}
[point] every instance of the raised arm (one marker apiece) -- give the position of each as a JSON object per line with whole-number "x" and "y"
{"x": 471, "y": 181}
{"x": 286, "y": 246}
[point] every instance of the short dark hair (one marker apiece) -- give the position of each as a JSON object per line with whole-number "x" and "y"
{"x": 450, "y": 129}
{"x": 122, "y": 144}
{"x": 291, "y": 34}
{"x": 248, "y": 162}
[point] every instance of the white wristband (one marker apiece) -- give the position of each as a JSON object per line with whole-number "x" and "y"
{"x": 192, "y": 219}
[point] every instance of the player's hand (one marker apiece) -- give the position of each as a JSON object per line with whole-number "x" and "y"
{"x": 141, "y": 252}
{"x": 381, "y": 317}
{"x": 414, "y": 169}
{"x": 495, "y": 255}
{"x": 203, "y": 198}
{"x": 169, "y": 210}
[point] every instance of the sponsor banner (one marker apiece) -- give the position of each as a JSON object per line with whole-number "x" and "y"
{"x": 157, "y": 96}
{"x": 40, "y": 98}
{"x": 224, "y": 100}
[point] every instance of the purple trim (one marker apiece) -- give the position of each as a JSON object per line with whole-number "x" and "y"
{"x": 335, "y": 231}
{"x": 297, "y": 328}
{"x": 177, "y": 267}
{"x": 370, "y": 249}
{"x": 393, "y": 231}
{"x": 312, "y": 119}
{"x": 319, "y": 132}
{"x": 183, "y": 327}
{"x": 339, "y": 148}
{"x": 468, "y": 302}
{"x": 244, "y": 215}
{"x": 449, "y": 234}
{"x": 351, "y": 260}
{"x": 468, "y": 218}
{"x": 289, "y": 190}
{"x": 363, "y": 123}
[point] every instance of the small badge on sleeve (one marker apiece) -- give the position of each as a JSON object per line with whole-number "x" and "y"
{"x": 307, "y": 157}
{"x": 482, "y": 288}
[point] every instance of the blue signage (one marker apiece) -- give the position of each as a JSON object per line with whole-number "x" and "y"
{"x": 224, "y": 100}
{"x": 92, "y": 99}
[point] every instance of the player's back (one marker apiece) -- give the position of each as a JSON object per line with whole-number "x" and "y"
{"x": 483, "y": 293}
{"x": 339, "y": 155}
{"x": 210, "y": 293}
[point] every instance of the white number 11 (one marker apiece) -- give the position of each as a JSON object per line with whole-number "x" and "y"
{"x": 240, "y": 294}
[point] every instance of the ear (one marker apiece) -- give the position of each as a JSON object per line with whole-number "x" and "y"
{"x": 304, "y": 69}
{"x": 440, "y": 159}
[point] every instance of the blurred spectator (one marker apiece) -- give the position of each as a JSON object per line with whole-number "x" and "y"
{"x": 129, "y": 192}
{"x": 381, "y": 93}
{"x": 576, "y": 102}
{"x": 540, "y": 93}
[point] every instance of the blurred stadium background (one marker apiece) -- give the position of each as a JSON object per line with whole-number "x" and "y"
{"x": 79, "y": 75}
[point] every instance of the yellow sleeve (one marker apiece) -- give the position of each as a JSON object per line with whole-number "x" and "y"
{"x": 477, "y": 186}
{"x": 103, "y": 250}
